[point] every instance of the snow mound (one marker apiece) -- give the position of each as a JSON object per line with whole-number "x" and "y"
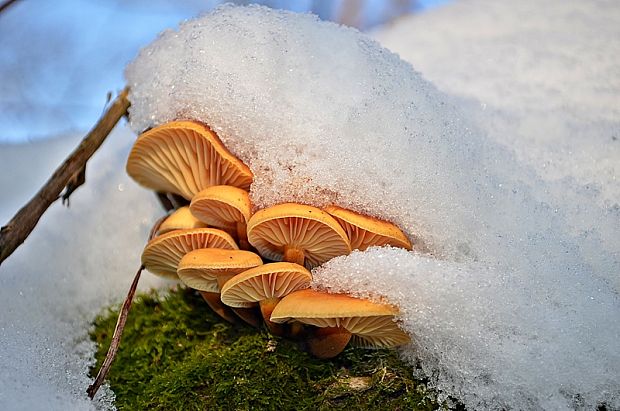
{"x": 514, "y": 303}
{"x": 548, "y": 71}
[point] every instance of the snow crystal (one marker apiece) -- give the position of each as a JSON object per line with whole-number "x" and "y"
{"x": 76, "y": 261}
{"x": 514, "y": 301}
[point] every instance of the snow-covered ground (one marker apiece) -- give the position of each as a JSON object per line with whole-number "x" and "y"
{"x": 78, "y": 260}
{"x": 507, "y": 169}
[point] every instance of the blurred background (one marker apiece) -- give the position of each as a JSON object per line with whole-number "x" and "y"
{"x": 59, "y": 60}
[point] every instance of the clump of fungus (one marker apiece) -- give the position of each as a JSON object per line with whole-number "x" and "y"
{"x": 297, "y": 233}
{"x": 266, "y": 285}
{"x": 340, "y": 318}
{"x": 162, "y": 254}
{"x": 208, "y": 269}
{"x": 364, "y": 231}
{"x": 225, "y": 207}
{"x": 180, "y": 219}
{"x": 184, "y": 157}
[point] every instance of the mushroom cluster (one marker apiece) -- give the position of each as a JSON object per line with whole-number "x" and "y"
{"x": 254, "y": 265}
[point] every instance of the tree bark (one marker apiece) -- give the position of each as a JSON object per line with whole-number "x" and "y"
{"x": 68, "y": 177}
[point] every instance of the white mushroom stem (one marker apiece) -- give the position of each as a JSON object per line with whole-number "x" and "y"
{"x": 294, "y": 255}
{"x": 328, "y": 342}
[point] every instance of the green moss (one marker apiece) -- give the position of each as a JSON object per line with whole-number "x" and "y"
{"x": 176, "y": 354}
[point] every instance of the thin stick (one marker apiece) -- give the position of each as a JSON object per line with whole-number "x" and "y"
{"x": 6, "y": 5}
{"x": 68, "y": 176}
{"x": 116, "y": 337}
{"x": 120, "y": 325}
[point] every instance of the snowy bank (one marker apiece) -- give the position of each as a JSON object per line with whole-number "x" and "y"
{"x": 511, "y": 184}
{"x": 78, "y": 260}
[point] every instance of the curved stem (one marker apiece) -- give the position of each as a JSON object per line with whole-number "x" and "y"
{"x": 213, "y": 300}
{"x": 294, "y": 255}
{"x": 249, "y": 315}
{"x": 266, "y": 308}
{"x": 242, "y": 236}
{"x": 328, "y": 342}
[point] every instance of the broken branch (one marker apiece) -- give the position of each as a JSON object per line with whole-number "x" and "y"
{"x": 15, "y": 232}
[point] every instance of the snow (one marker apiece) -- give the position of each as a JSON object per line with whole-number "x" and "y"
{"x": 497, "y": 158}
{"x": 513, "y": 301}
{"x": 77, "y": 261}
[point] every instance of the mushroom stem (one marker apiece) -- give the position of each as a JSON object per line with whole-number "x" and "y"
{"x": 242, "y": 236}
{"x": 297, "y": 330}
{"x": 266, "y": 308}
{"x": 249, "y": 315}
{"x": 294, "y": 255}
{"x": 213, "y": 300}
{"x": 222, "y": 279}
{"x": 328, "y": 342}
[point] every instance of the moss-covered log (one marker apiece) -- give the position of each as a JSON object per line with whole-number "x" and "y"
{"x": 176, "y": 354}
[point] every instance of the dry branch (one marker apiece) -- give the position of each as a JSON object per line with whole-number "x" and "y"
{"x": 6, "y": 5}
{"x": 67, "y": 177}
{"x": 120, "y": 325}
{"x": 116, "y": 338}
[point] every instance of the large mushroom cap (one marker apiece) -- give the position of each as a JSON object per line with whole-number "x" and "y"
{"x": 307, "y": 231}
{"x": 371, "y": 323}
{"x": 162, "y": 254}
{"x": 181, "y": 219}
{"x": 222, "y": 206}
{"x": 225, "y": 207}
{"x": 364, "y": 231}
{"x": 184, "y": 157}
{"x": 274, "y": 280}
{"x": 204, "y": 269}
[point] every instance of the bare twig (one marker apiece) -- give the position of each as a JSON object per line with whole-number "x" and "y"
{"x": 5, "y": 5}
{"x": 66, "y": 177}
{"x": 120, "y": 325}
{"x": 116, "y": 337}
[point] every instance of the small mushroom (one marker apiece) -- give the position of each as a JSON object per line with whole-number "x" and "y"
{"x": 338, "y": 318}
{"x": 208, "y": 269}
{"x": 225, "y": 207}
{"x": 297, "y": 233}
{"x": 181, "y": 219}
{"x": 265, "y": 284}
{"x": 364, "y": 231}
{"x": 162, "y": 254}
{"x": 184, "y": 157}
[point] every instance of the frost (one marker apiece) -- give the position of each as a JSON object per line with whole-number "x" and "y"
{"x": 513, "y": 301}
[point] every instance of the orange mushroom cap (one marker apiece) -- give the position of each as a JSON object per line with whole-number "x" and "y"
{"x": 222, "y": 206}
{"x": 181, "y": 219}
{"x": 205, "y": 269}
{"x": 372, "y": 324}
{"x": 184, "y": 157}
{"x": 364, "y": 231}
{"x": 162, "y": 254}
{"x": 274, "y": 280}
{"x": 305, "y": 229}
{"x": 225, "y": 207}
